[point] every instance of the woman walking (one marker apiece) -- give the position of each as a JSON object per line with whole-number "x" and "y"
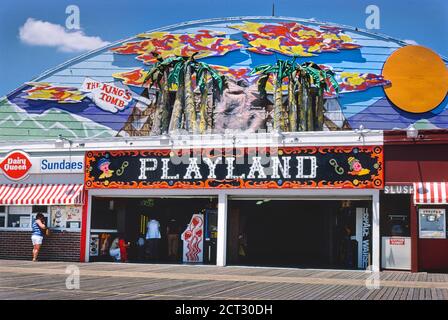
{"x": 38, "y": 234}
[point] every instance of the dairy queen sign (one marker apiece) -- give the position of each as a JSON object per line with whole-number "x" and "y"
{"x": 16, "y": 165}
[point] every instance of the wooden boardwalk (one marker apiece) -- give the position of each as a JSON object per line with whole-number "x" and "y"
{"x": 47, "y": 280}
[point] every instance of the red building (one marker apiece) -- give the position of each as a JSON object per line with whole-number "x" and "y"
{"x": 416, "y": 176}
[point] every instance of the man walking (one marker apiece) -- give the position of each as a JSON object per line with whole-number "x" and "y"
{"x": 153, "y": 239}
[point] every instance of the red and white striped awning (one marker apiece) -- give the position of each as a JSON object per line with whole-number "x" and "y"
{"x": 430, "y": 192}
{"x": 41, "y": 194}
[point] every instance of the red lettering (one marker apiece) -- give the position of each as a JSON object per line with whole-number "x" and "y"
{"x": 92, "y": 85}
{"x": 106, "y": 88}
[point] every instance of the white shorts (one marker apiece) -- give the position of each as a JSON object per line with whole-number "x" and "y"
{"x": 115, "y": 253}
{"x": 36, "y": 239}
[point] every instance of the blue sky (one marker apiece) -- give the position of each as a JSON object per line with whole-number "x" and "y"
{"x": 426, "y": 22}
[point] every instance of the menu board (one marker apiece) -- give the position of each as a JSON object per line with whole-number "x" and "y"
{"x": 66, "y": 216}
{"x": 432, "y": 223}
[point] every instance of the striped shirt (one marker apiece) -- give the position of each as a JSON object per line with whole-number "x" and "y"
{"x": 37, "y": 231}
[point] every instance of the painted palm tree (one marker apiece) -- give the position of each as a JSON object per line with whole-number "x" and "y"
{"x": 304, "y": 100}
{"x": 278, "y": 71}
{"x": 314, "y": 82}
{"x": 292, "y": 101}
{"x": 158, "y": 75}
{"x": 203, "y": 73}
{"x": 183, "y": 69}
{"x": 177, "y": 77}
{"x": 307, "y": 83}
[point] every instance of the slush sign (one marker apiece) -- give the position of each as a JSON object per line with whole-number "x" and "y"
{"x": 16, "y": 165}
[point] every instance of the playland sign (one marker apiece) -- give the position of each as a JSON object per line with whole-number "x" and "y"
{"x": 289, "y": 167}
{"x": 107, "y": 96}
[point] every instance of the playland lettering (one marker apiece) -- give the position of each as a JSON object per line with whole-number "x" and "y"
{"x": 277, "y": 169}
{"x": 16, "y": 165}
{"x": 107, "y": 96}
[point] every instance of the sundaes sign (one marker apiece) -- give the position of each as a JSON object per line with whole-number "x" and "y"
{"x": 289, "y": 167}
{"x": 107, "y": 96}
{"x": 16, "y": 165}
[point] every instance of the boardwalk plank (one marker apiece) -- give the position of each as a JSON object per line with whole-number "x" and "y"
{"x": 22, "y": 279}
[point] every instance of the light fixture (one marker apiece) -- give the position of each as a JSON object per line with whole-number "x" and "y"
{"x": 259, "y": 202}
{"x": 165, "y": 138}
{"x": 346, "y": 203}
{"x": 277, "y": 136}
{"x": 411, "y": 132}
{"x": 361, "y": 131}
{"x": 233, "y": 141}
{"x": 60, "y": 141}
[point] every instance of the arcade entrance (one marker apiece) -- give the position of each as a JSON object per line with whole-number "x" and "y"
{"x": 299, "y": 233}
{"x": 154, "y": 230}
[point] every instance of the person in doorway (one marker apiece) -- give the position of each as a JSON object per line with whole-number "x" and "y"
{"x": 153, "y": 238}
{"x": 38, "y": 234}
{"x": 348, "y": 247}
{"x": 105, "y": 241}
{"x": 173, "y": 235}
{"x": 140, "y": 248}
{"x": 114, "y": 250}
{"x": 242, "y": 246}
{"x": 123, "y": 245}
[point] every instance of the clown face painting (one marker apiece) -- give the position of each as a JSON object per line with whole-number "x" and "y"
{"x": 356, "y": 168}
{"x": 103, "y": 165}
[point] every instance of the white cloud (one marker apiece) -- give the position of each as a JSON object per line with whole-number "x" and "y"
{"x": 42, "y": 33}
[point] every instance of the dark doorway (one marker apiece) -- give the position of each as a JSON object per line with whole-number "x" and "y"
{"x": 129, "y": 217}
{"x": 291, "y": 233}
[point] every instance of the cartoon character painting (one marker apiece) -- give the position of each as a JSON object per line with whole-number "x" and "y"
{"x": 193, "y": 239}
{"x": 356, "y": 168}
{"x": 103, "y": 165}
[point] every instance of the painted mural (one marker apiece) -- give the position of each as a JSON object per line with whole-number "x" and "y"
{"x": 240, "y": 74}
